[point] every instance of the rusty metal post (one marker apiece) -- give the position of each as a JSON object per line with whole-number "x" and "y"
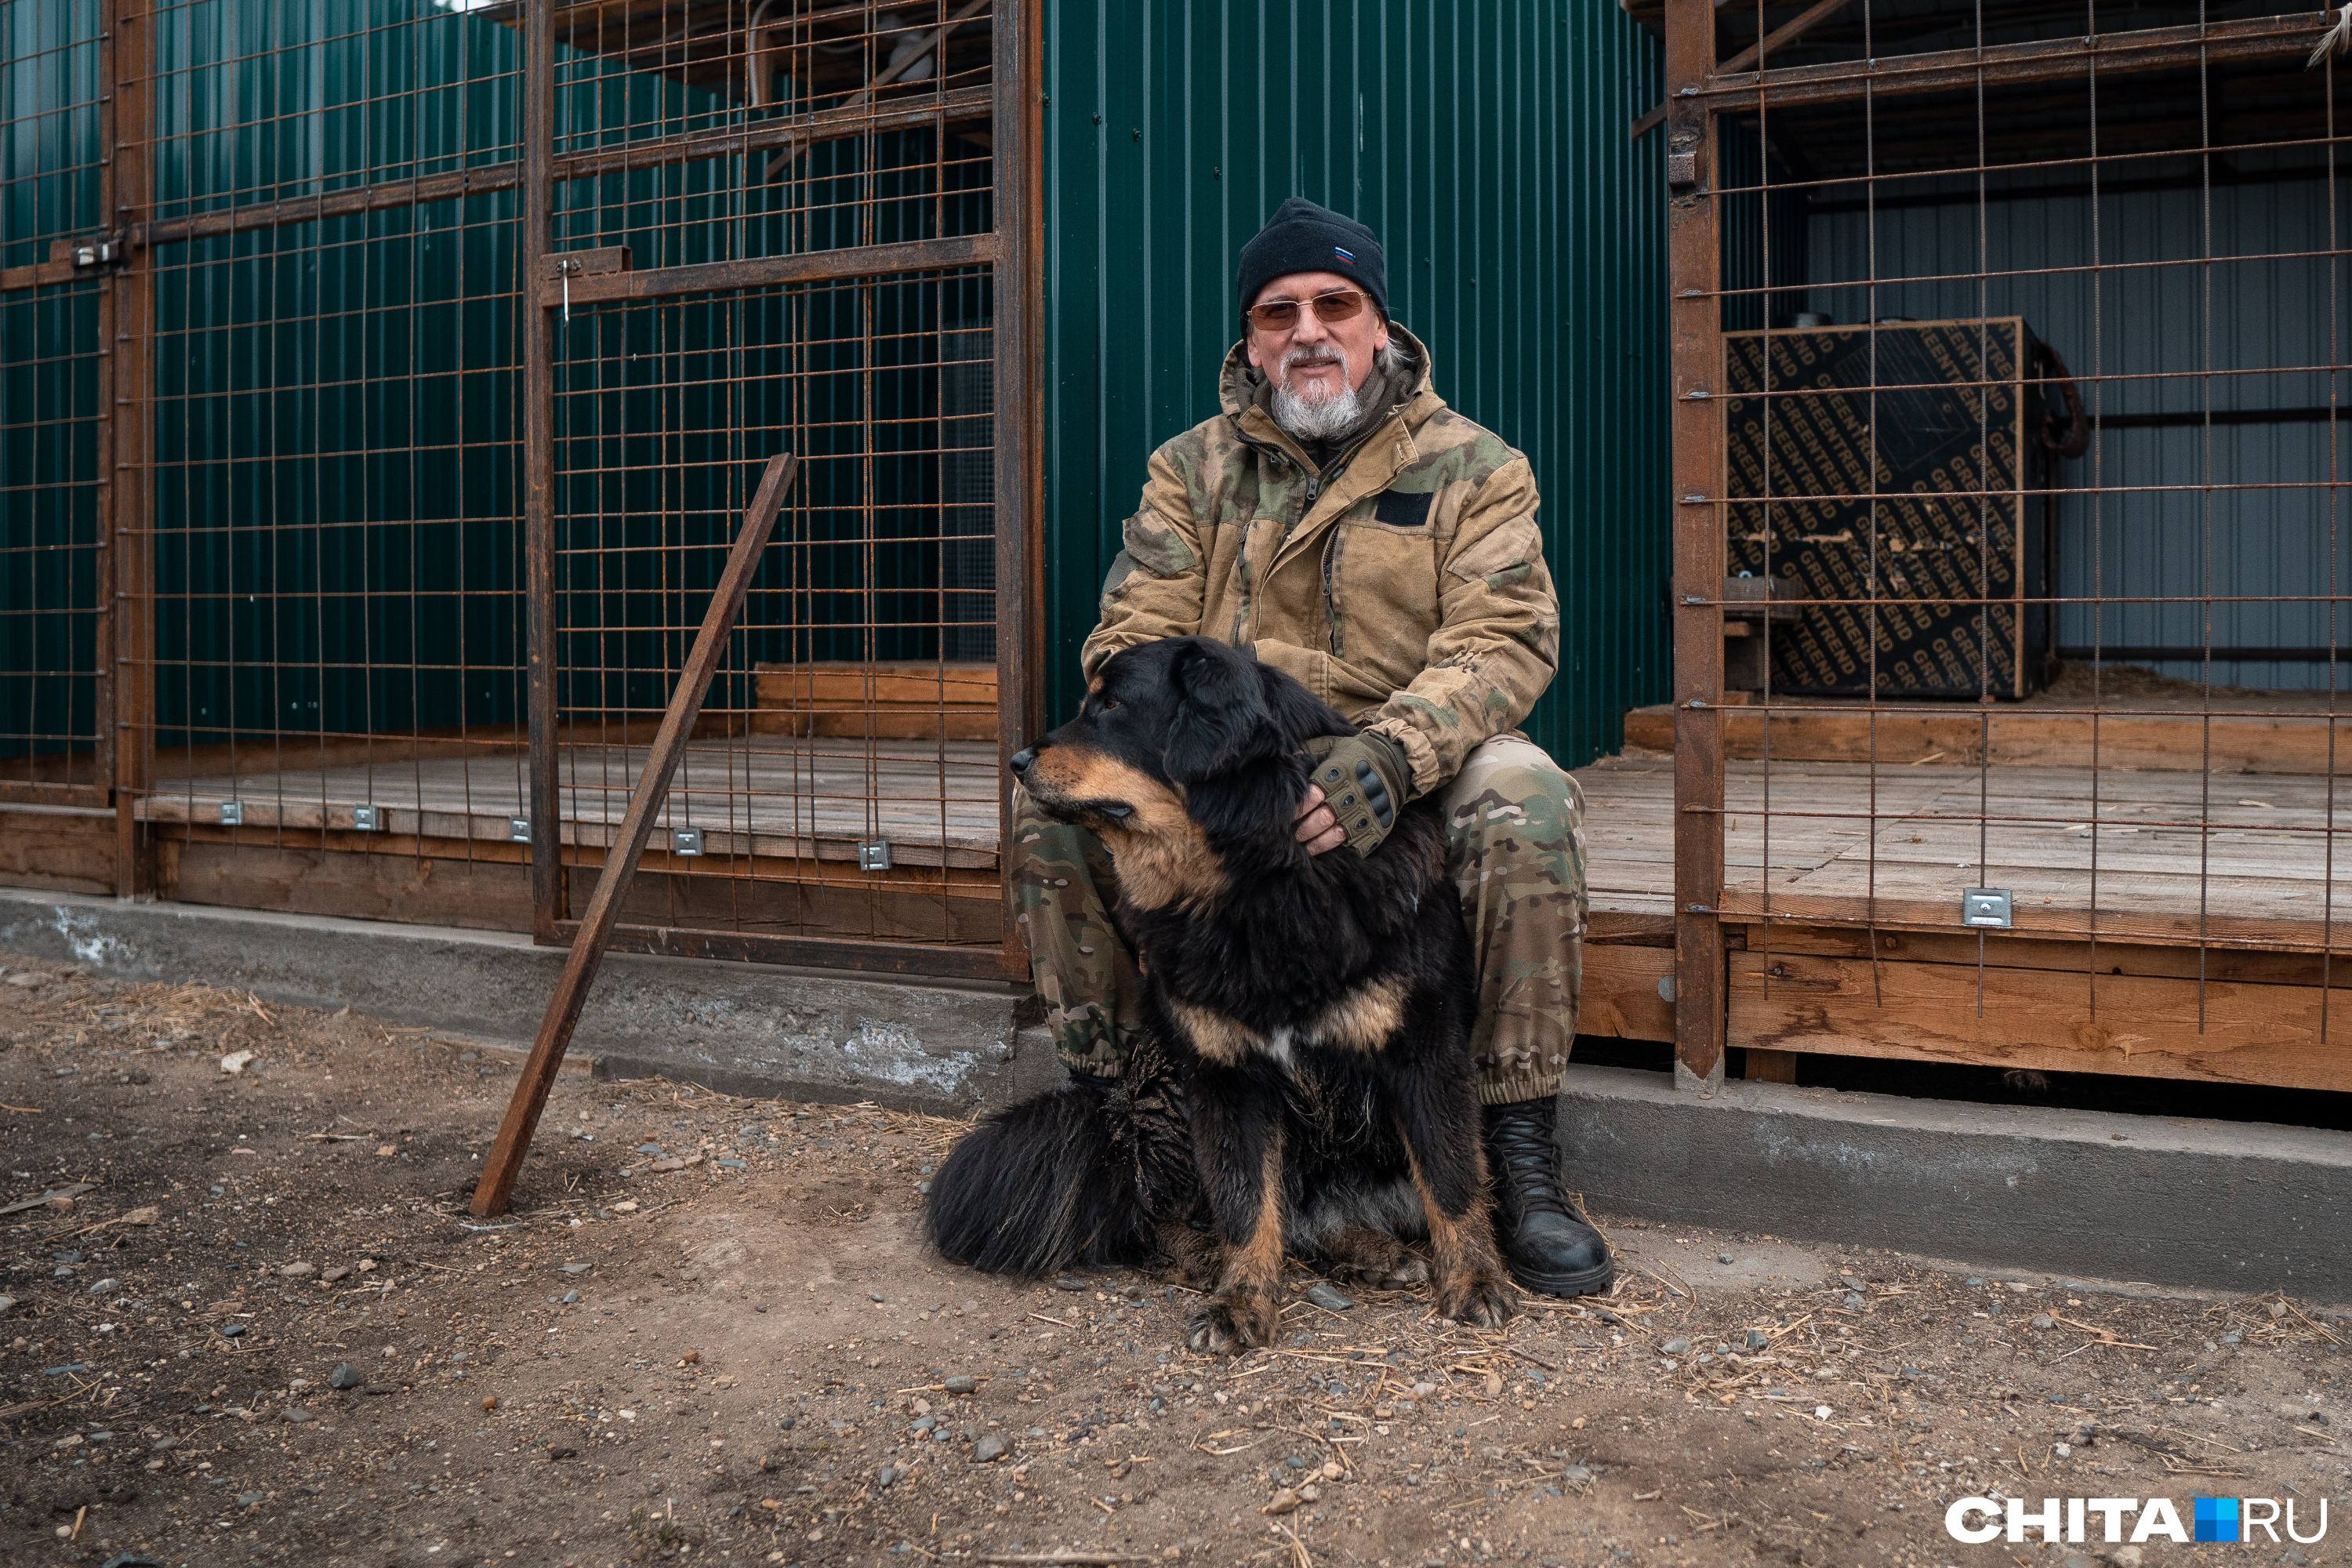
{"x": 1693, "y": 321}
{"x": 126, "y": 686}
{"x": 547, "y": 902}
{"x": 1019, "y": 381}
{"x": 505, "y": 1162}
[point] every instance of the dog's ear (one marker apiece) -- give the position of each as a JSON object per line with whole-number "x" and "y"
{"x": 1219, "y": 711}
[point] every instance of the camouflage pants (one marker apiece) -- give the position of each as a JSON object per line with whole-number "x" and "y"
{"x": 1515, "y": 845}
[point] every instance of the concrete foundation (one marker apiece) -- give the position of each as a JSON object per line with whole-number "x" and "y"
{"x": 2201, "y": 1204}
{"x": 940, "y": 1046}
{"x": 2159, "y": 1200}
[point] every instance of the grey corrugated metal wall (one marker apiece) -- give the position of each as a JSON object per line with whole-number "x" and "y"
{"x": 2275, "y": 534}
{"x": 1486, "y": 144}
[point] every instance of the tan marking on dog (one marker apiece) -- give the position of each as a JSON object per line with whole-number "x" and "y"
{"x": 1364, "y": 1020}
{"x": 1462, "y": 1246}
{"x": 1094, "y": 686}
{"x": 1163, "y": 856}
{"x": 1257, "y": 1264}
{"x": 1213, "y": 1034}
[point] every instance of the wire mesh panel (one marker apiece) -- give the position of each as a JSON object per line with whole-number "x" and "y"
{"x": 334, "y": 540}
{"x": 53, "y": 556}
{"x": 773, "y": 229}
{"x": 844, "y": 779}
{"x": 2013, "y": 583}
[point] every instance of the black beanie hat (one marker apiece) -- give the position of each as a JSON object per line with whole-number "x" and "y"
{"x": 1303, "y": 238}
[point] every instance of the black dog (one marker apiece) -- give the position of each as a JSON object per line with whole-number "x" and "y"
{"x": 1304, "y": 1078}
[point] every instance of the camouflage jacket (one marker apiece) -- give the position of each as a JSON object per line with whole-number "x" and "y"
{"x": 1409, "y": 589}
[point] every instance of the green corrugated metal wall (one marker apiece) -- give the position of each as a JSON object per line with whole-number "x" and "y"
{"x": 1486, "y": 143}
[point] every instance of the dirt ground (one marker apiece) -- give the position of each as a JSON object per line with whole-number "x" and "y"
{"x": 268, "y": 1329}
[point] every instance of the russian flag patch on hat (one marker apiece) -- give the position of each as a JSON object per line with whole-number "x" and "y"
{"x": 1347, "y": 256}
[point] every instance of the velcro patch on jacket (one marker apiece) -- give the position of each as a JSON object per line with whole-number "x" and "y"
{"x": 1403, "y": 508}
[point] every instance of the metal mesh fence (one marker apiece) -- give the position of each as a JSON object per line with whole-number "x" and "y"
{"x": 2010, "y": 572}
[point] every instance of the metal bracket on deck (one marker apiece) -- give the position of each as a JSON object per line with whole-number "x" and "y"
{"x": 232, "y": 812}
{"x": 686, "y": 841}
{"x": 1985, "y": 907}
{"x": 367, "y": 819}
{"x": 874, "y": 854}
{"x": 519, "y": 829}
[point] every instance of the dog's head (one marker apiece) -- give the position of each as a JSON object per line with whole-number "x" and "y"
{"x": 1184, "y": 740}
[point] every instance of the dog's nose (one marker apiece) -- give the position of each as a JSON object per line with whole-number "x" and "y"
{"x": 1022, "y": 759}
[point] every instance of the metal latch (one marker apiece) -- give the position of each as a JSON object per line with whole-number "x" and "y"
{"x": 104, "y": 250}
{"x": 519, "y": 829}
{"x": 874, "y": 854}
{"x": 686, "y": 841}
{"x": 366, "y": 818}
{"x": 1985, "y": 907}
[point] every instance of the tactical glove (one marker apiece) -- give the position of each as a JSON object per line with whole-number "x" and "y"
{"x": 1366, "y": 781}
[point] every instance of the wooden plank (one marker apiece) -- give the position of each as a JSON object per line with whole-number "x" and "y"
{"x": 2140, "y": 1028}
{"x": 2004, "y": 949}
{"x": 477, "y": 895}
{"x": 1620, "y": 995}
{"x": 60, "y": 848}
{"x": 1769, "y": 1066}
{"x": 504, "y": 1163}
{"x": 2023, "y": 737}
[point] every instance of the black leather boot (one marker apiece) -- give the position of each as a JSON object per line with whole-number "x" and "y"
{"x": 1545, "y": 1241}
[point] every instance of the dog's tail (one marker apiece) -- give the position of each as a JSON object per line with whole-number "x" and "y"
{"x": 1049, "y": 1185}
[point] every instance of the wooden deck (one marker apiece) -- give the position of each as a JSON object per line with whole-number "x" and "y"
{"x": 2174, "y": 924}
{"x": 2129, "y": 855}
{"x": 777, "y": 797}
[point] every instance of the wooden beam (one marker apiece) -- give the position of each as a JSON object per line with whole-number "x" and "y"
{"x": 1695, "y": 346}
{"x": 2131, "y": 1025}
{"x": 2009, "y": 65}
{"x": 505, "y": 1162}
{"x": 2022, "y": 737}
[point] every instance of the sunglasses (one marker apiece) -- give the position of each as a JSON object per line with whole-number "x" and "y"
{"x": 1281, "y": 315}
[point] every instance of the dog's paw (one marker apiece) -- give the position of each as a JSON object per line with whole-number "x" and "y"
{"x": 1230, "y": 1322}
{"x": 1478, "y": 1298}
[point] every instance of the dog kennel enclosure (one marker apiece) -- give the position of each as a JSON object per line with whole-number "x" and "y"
{"x": 2008, "y": 407}
{"x": 380, "y": 385}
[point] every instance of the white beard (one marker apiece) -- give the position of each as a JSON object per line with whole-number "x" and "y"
{"x": 1318, "y": 419}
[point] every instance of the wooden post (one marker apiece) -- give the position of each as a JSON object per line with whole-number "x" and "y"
{"x": 1693, "y": 322}
{"x": 505, "y": 1162}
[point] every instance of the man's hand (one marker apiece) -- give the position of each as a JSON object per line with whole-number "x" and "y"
{"x": 1358, "y": 784}
{"x": 1317, "y": 829}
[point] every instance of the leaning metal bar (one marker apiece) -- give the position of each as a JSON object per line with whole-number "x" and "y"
{"x": 2006, "y": 65}
{"x": 547, "y": 894}
{"x": 505, "y": 1161}
{"x": 1695, "y": 261}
